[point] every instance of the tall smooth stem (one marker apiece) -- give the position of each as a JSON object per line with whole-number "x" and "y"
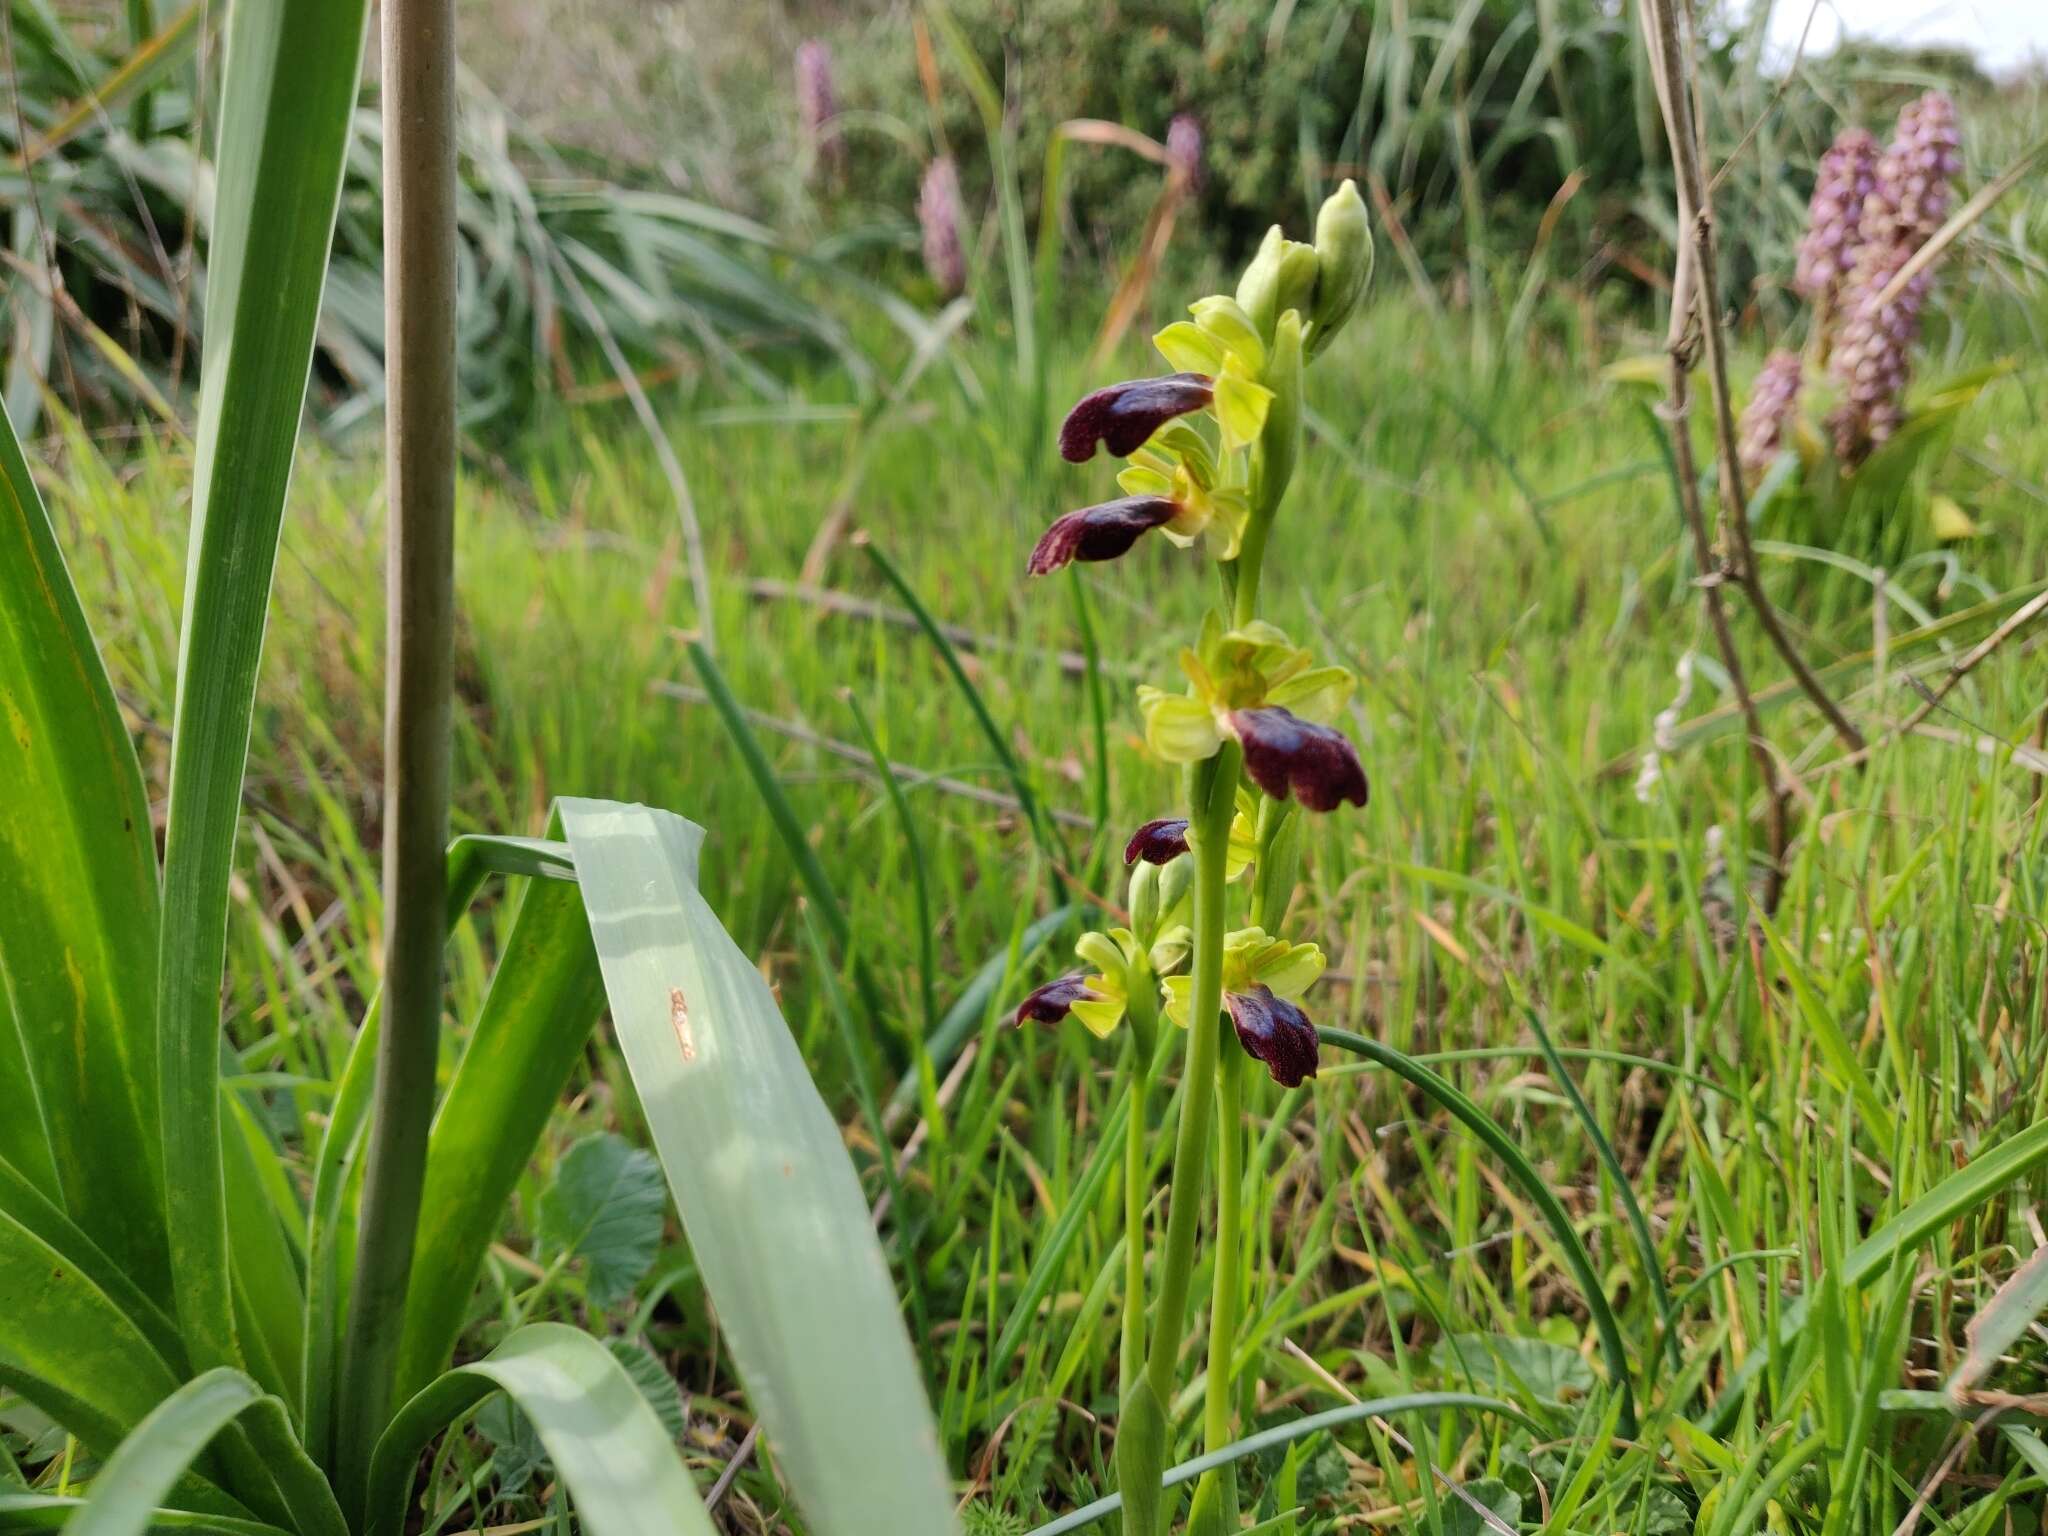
{"x": 419, "y": 313}
{"x": 1213, "y": 803}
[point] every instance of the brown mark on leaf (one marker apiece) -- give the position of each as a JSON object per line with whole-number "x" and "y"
{"x": 679, "y": 1016}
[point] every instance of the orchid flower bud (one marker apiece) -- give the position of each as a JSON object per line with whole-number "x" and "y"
{"x": 1343, "y": 263}
{"x": 1281, "y": 277}
{"x": 1143, "y": 900}
{"x": 1279, "y": 444}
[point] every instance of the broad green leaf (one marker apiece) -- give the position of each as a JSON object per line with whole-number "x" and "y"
{"x": 605, "y": 1209}
{"x": 52, "y": 1511}
{"x": 517, "y": 1454}
{"x": 68, "y": 1348}
{"x": 1461, "y": 1519}
{"x": 77, "y": 905}
{"x": 544, "y": 1000}
{"x": 768, "y": 1197}
{"x": 287, "y": 104}
{"x": 1548, "y": 1372}
{"x": 621, "y": 1468}
{"x": 149, "y": 1464}
{"x": 23, "y": 1202}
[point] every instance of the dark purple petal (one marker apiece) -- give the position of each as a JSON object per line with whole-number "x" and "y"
{"x": 1101, "y": 532}
{"x": 1283, "y": 752}
{"x": 1274, "y": 1031}
{"x": 1158, "y": 842}
{"x": 1124, "y": 415}
{"x": 1051, "y": 1002}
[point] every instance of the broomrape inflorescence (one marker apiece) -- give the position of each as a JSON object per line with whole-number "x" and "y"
{"x": 1871, "y": 212}
{"x": 1252, "y": 722}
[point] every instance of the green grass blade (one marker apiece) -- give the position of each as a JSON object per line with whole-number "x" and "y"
{"x": 1020, "y": 782}
{"x": 1835, "y": 1049}
{"x": 288, "y": 99}
{"x": 971, "y": 1007}
{"x": 817, "y": 884}
{"x": 1954, "y": 1197}
{"x": 761, "y": 1177}
{"x": 536, "y": 1020}
{"x": 77, "y": 905}
{"x": 1524, "y": 1173}
{"x": 622, "y": 1471}
{"x": 1286, "y": 1434}
{"x": 1638, "y": 1225}
{"x": 147, "y": 1466}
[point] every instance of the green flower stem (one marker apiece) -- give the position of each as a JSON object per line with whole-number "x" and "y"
{"x": 1223, "y": 1297}
{"x": 1143, "y": 994}
{"x": 1212, "y": 803}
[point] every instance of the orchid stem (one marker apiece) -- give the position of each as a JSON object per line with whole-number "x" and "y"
{"x": 1212, "y": 804}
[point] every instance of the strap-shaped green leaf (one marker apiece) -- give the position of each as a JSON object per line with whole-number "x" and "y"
{"x": 150, "y": 1462}
{"x": 77, "y": 905}
{"x": 768, "y": 1196}
{"x": 543, "y": 1002}
{"x": 288, "y": 99}
{"x": 621, "y": 1468}
{"x": 68, "y": 1347}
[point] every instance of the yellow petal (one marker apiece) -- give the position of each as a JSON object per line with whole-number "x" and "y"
{"x": 1176, "y": 992}
{"x": 1949, "y": 520}
{"x": 1189, "y": 348}
{"x": 1099, "y": 1018}
{"x": 1178, "y": 729}
{"x": 1241, "y": 408}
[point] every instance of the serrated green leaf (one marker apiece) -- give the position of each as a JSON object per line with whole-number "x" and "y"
{"x": 664, "y": 1395}
{"x": 605, "y": 1209}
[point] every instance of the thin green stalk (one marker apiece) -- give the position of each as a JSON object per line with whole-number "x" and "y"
{"x": 1211, "y": 806}
{"x": 1223, "y": 1301}
{"x": 420, "y": 254}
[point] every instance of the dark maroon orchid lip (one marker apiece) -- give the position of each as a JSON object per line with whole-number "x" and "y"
{"x": 1053, "y": 1001}
{"x": 1100, "y": 532}
{"x": 1276, "y": 1032}
{"x": 1124, "y": 415}
{"x": 1158, "y": 842}
{"x": 1284, "y": 753}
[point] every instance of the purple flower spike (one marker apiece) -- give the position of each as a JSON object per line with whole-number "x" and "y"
{"x": 1771, "y": 404}
{"x": 1124, "y": 415}
{"x": 818, "y": 105}
{"x": 1184, "y": 149}
{"x": 1909, "y": 200}
{"x": 1276, "y": 1032}
{"x": 1284, "y": 753}
{"x": 1157, "y": 842}
{"x": 938, "y": 220}
{"x": 1100, "y": 532}
{"x": 1834, "y": 217}
{"x": 1053, "y": 1001}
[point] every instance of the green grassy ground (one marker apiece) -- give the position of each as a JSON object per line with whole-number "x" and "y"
{"x": 1493, "y": 546}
